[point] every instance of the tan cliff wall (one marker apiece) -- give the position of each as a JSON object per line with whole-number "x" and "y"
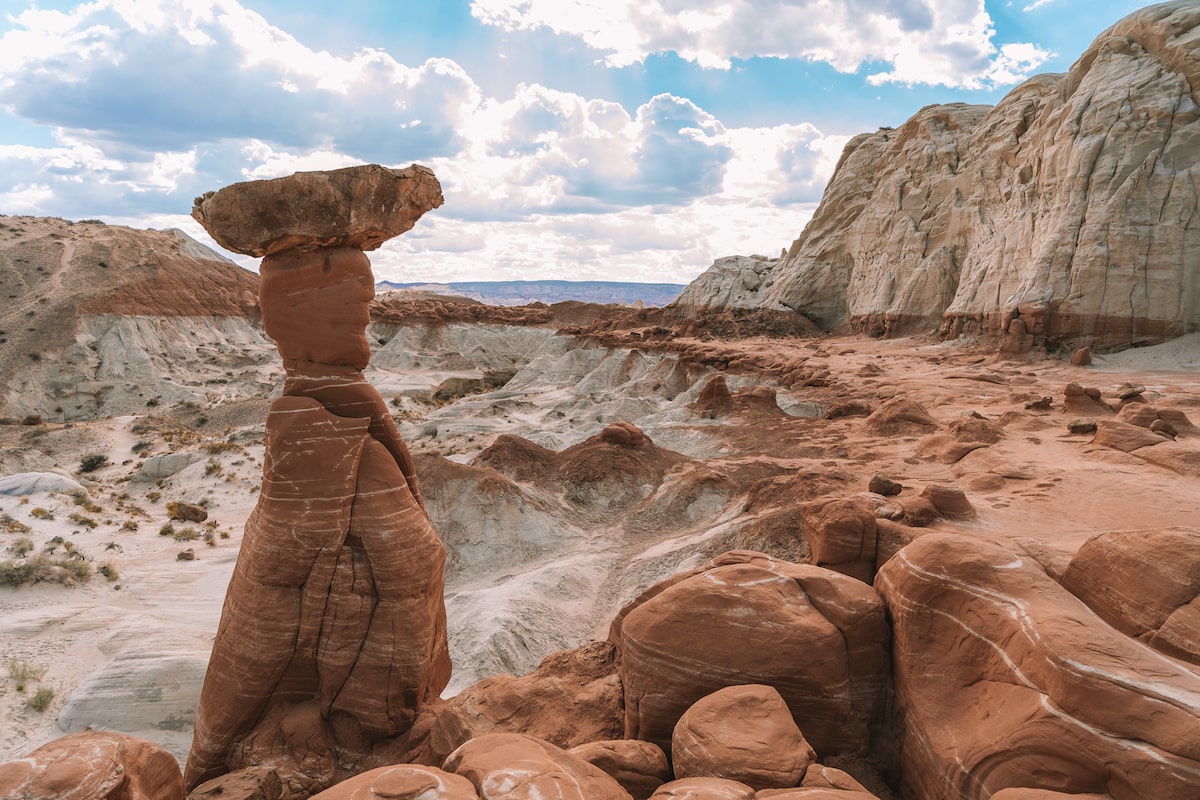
{"x": 1073, "y": 201}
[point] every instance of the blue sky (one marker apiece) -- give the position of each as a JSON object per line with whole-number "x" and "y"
{"x": 575, "y": 139}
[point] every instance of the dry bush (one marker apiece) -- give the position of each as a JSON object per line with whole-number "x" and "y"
{"x": 44, "y": 569}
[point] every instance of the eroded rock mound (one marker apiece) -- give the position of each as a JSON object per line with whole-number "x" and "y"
{"x": 510, "y": 766}
{"x": 402, "y": 782}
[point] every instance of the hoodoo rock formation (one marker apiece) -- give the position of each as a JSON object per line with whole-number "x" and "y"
{"x": 1063, "y": 215}
{"x": 334, "y": 630}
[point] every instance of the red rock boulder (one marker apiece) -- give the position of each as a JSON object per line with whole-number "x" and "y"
{"x": 511, "y": 766}
{"x": 703, "y": 789}
{"x": 818, "y": 637}
{"x": 743, "y": 733}
{"x": 402, "y": 782}
{"x": 640, "y": 767}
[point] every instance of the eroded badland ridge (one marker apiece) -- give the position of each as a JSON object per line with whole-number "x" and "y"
{"x": 726, "y": 549}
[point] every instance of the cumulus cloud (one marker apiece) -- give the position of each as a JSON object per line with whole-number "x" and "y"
{"x": 940, "y": 42}
{"x": 159, "y": 74}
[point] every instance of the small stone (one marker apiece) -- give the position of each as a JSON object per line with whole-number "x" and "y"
{"x": 1164, "y": 427}
{"x": 1128, "y": 390}
{"x": 1041, "y": 404}
{"x": 882, "y": 484}
{"x": 1082, "y": 425}
{"x": 186, "y": 555}
{"x": 1082, "y": 357}
{"x": 950, "y": 501}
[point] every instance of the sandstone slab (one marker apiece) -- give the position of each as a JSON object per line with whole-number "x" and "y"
{"x": 359, "y": 207}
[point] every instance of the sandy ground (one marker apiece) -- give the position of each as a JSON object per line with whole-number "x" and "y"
{"x": 129, "y": 653}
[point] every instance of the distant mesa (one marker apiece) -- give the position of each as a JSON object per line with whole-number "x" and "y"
{"x": 516, "y": 293}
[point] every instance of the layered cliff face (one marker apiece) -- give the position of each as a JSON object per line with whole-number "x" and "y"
{"x": 1072, "y": 204}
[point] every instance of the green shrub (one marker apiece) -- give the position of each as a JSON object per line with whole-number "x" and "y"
{"x": 93, "y": 462}
{"x": 41, "y": 699}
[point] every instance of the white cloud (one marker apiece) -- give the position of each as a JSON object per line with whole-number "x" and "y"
{"x": 940, "y": 42}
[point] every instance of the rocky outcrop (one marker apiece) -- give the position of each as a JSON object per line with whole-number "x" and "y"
{"x": 640, "y": 767}
{"x": 402, "y": 782}
{"x": 1062, "y": 216}
{"x": 1003, "y": 679}
{"x": 731, "y": 282}
{"x": 333, "y": 631}
{"x": 818, "y": 637}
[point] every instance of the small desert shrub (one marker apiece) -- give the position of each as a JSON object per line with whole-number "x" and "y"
{"x": 129, "y": 525}
{"x": 87, "y": 504}
{"x": 32, "y": 419}
{"x": 13, "y": 526}
{"x": 109, "y": 571}
{"x": 167, "y": 530}
{"x": 188, "y": 534}
{"x": 41, "y": 699}
{"x": 22, "y": 672}
{"x": 41, "y": 513}
{"x": 212, "y": 468}
{"x": 212, "y": 448}
{"x": 43, "y": 569}
{"x": 21, "y": 547}
{"x": 80, "y": 519}
{"x": 224, "y": 534}
{"x": 93, "y": 462}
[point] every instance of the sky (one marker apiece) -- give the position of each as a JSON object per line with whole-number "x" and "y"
{"x": 633, "y": 140}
